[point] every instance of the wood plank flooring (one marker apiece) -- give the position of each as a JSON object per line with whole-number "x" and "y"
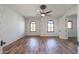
{"x": 42, "y": 45}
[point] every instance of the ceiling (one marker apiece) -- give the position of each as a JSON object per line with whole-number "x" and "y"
{"x": 32, "y": 9}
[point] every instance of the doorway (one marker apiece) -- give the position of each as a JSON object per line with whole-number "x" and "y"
{"x": 72, "y": 26}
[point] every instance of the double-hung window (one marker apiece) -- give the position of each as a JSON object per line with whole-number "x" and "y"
{"x": 50, "y": 26}
{"x": 33, "y": 26}
{"x": 69, "y": 24}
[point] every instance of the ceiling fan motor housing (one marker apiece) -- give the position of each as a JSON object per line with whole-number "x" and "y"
{"x": 43, "y": 7}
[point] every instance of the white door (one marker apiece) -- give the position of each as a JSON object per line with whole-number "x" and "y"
{"x": 66, "y": 28}
{"x": 0, "y": 29}
{"x": 0, "y": 35}
{"x": 63, "y": 31}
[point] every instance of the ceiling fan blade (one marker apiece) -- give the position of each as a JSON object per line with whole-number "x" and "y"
{"x": 49, "y": 15}
{"x": 48, "y": 12}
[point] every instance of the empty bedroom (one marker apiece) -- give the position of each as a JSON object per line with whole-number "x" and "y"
{"x": 38, "y": 29}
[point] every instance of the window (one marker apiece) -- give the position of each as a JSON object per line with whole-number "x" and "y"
{"x": 50, "y": 26}
{"x": 69, "y": 24}
{"x": 33, "y": 26}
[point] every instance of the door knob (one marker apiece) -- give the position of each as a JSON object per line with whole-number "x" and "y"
{"x": 2, "y": 43}
{"x": 78, "y": 43}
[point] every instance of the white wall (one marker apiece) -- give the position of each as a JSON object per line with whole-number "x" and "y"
{"x": 63, "y": 33}
{"x": 78, "y": 25}
{"x": 12, "y": 25}
{"x": 42, "y": 26}
{"x": 72, "y": 16}
{"x": 73, "y": 32}
{"x": 71, "y": 11}
{"x": 27, "y": 26}
{"x": 0, "y": 29}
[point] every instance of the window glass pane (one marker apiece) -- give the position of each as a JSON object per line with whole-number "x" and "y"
{"x": 48, "y": 29}
{"x": 50, "y": 26}
{"x": 51, "y": 29}
{"x": 69, "y": 24}
{"x": 33, "y": 26}
{"x": 34, "y": 29}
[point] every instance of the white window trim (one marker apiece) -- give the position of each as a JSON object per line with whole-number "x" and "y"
{"x": 33, "y": 29}
{"x": 50, "y": 26}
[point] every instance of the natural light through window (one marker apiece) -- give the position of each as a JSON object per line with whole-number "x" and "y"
{"x": 50, "y": 26}
{"x": 33, "y": 26}
{"x": 69, "y": 24}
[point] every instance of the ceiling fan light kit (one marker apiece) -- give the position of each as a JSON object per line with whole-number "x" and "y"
{"x": 42, "y": 11}
{"x": 42, "y": 15}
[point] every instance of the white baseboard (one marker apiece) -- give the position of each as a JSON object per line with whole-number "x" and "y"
{"x": 13, "y": 40}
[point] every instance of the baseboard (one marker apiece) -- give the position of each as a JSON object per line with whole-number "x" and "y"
{"x": 40, "y": 36}
{"x": 50, "y": 36}
{"x": 72, "y": 37}
{"x": 13, "y": 41}
{"x": 31, "y": 35}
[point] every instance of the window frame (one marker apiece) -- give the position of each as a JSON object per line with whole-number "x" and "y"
{"x": 31, "y": 27}
{"x": 48, "y": 27}
{"x": 71, "y": 24}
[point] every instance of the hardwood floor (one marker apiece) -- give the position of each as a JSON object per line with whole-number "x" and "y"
{"x": 42, "y": 45}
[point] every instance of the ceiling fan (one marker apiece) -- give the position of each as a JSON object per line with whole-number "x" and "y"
{"x": 43, "y": 12}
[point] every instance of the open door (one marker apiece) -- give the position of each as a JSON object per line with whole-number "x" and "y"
{"x": 1, "y": 29}
{"x": 0, "y": 48}
{"x": 63, "y": 31}
{"x": 0, "y": 35}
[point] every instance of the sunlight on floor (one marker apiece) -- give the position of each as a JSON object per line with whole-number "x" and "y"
{"x": 33, "y": 44}
{"x": 50, "y": 45}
